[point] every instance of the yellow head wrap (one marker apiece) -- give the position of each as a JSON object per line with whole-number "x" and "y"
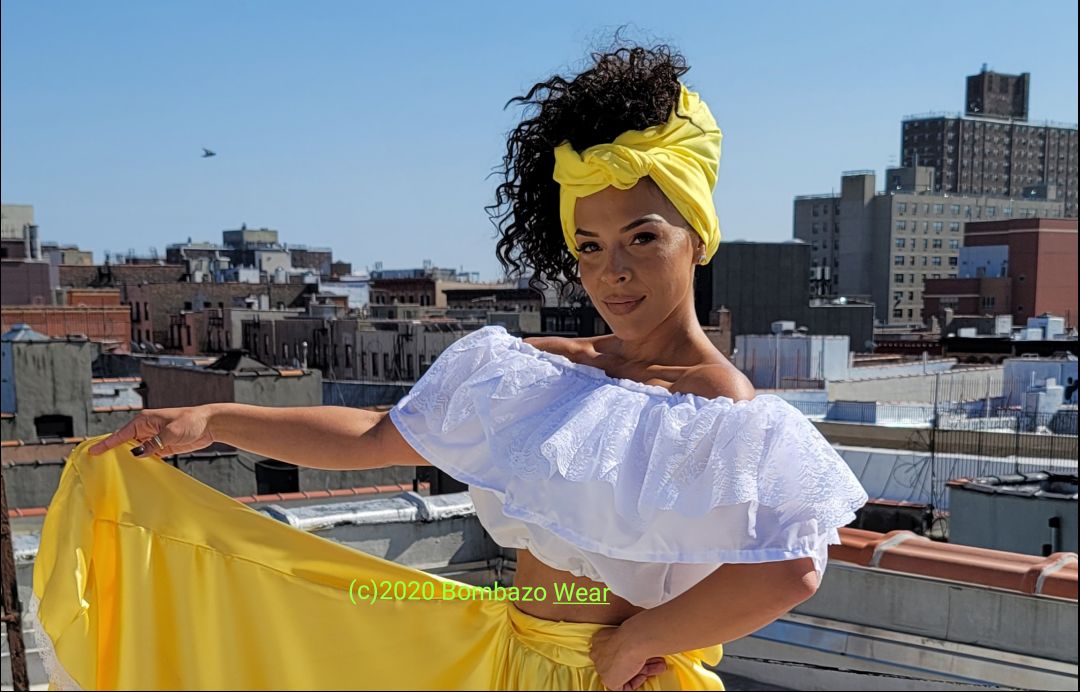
{"x": 681, "y": 156}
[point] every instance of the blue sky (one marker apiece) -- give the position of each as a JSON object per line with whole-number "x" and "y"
{"x": 372, "y": 128}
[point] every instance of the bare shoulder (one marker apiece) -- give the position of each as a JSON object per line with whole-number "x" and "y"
{"x": 713, "y": 380}
{"x": 564, "y": 346}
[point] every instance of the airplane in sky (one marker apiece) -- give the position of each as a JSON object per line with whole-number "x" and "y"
{"x": 207, "y": 153}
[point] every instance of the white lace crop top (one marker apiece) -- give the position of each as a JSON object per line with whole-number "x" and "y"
{"x": 623, "y": 482}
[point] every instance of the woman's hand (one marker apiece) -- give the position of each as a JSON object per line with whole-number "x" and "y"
{"x": 619, "y": 665}
{"x": 179, "y": 430}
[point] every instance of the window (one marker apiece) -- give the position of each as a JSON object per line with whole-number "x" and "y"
{"x": 937, "y": 243}
{"x": 939, "y": 208}
{"x": 1006, "y": 211}
{"x": 936, "y": 261}
{"x": 925, "y": 226}
{"x": 897, "y": 296}
{"x": 954, "y": 227}
{"x": 926, "y": 208}
{"x": 990, "y": 211}
{"x": 911, "y": 295}
{"x": 952, "y": 261}
{"x": 988, "y": 302}
{"x": 815, "y": 228}
{"x": 898, "y": 312}
{"x": 954, "y": 209}
{"x": 898, "y": 278}
{"x": 901, "y": 225}
{"x": 374, "y": 365}
{"x": 901, "y": 207}
{"x": 924, "y": 260}
{"x": 898, "y": 261}
{"x": 954, "y": 244}
{"x": 938, "y": 226}
{"x": 901, "y": 242}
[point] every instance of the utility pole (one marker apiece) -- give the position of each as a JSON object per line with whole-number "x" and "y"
{"x": 12, "y": 608}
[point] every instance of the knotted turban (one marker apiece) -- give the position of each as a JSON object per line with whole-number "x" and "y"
{"x": 681, "y": 156}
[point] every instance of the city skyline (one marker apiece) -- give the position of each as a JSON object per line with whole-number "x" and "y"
{"x": 106, "y": 111}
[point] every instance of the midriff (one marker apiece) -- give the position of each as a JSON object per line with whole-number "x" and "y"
{"x": 531, "y": 572}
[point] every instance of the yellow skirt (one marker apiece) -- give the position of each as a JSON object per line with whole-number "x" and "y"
{"x": 149, "y": 579}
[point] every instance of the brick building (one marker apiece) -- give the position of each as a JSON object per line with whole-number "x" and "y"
{"x": 1018, "y": 267}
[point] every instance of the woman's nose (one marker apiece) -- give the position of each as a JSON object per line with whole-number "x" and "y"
{"x": 616, "y": 268}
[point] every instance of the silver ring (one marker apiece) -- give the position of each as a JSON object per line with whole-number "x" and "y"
{"x": 157, "y": 440}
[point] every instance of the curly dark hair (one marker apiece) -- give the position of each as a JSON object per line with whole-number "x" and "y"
{"x": 625, "y": 88}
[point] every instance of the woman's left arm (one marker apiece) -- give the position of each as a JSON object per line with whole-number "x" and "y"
{"x": 732, "y": 602}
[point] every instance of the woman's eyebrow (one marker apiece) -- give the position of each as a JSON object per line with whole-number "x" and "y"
{"x": 628, "y": 227}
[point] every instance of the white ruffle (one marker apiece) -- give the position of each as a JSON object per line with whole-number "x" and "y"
{"x": 59, "y": 678}
{"x": 622, "y": 469}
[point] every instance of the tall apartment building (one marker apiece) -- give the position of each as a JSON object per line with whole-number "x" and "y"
{"x": 991, "y": 149}
{"x": 881, "y": 246}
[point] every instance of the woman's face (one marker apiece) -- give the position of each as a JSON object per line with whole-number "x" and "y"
{"x": 634, "y": 245}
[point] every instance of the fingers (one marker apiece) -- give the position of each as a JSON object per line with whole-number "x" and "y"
{"x": 654, "y": 666}
{"x": 142, "y": 428}
{"x": 119, "y": 437}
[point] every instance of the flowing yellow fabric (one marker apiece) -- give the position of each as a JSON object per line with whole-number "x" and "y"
{"x": 682, "y": 157}
{"x": 148, "y": 579}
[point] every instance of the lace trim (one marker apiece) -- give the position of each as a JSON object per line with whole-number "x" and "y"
{"x": 59, "y": 678}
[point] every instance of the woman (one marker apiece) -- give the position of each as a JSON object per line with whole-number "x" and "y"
{"x": 638, "y": 465}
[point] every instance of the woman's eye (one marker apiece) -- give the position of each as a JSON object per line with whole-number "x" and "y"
{"x": 649, "y": 237}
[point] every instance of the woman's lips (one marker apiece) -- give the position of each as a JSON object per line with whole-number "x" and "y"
{"x": 623, "y": 308}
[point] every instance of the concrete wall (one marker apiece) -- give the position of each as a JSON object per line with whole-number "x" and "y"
{"x": 268, "y": 390}
{"x": 909, "y": 476}
{"x": 950, "y": 386}
{"x": 869, "y": 372}
{"x": 52, "y": 378}
{"x": 1003, "y": 620}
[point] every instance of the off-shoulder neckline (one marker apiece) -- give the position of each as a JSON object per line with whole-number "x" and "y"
{"x": 598, "y": 373}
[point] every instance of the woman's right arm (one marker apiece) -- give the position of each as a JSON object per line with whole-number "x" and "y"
{"x": 319, "y": 437}
{"x": 323, "y": 437}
